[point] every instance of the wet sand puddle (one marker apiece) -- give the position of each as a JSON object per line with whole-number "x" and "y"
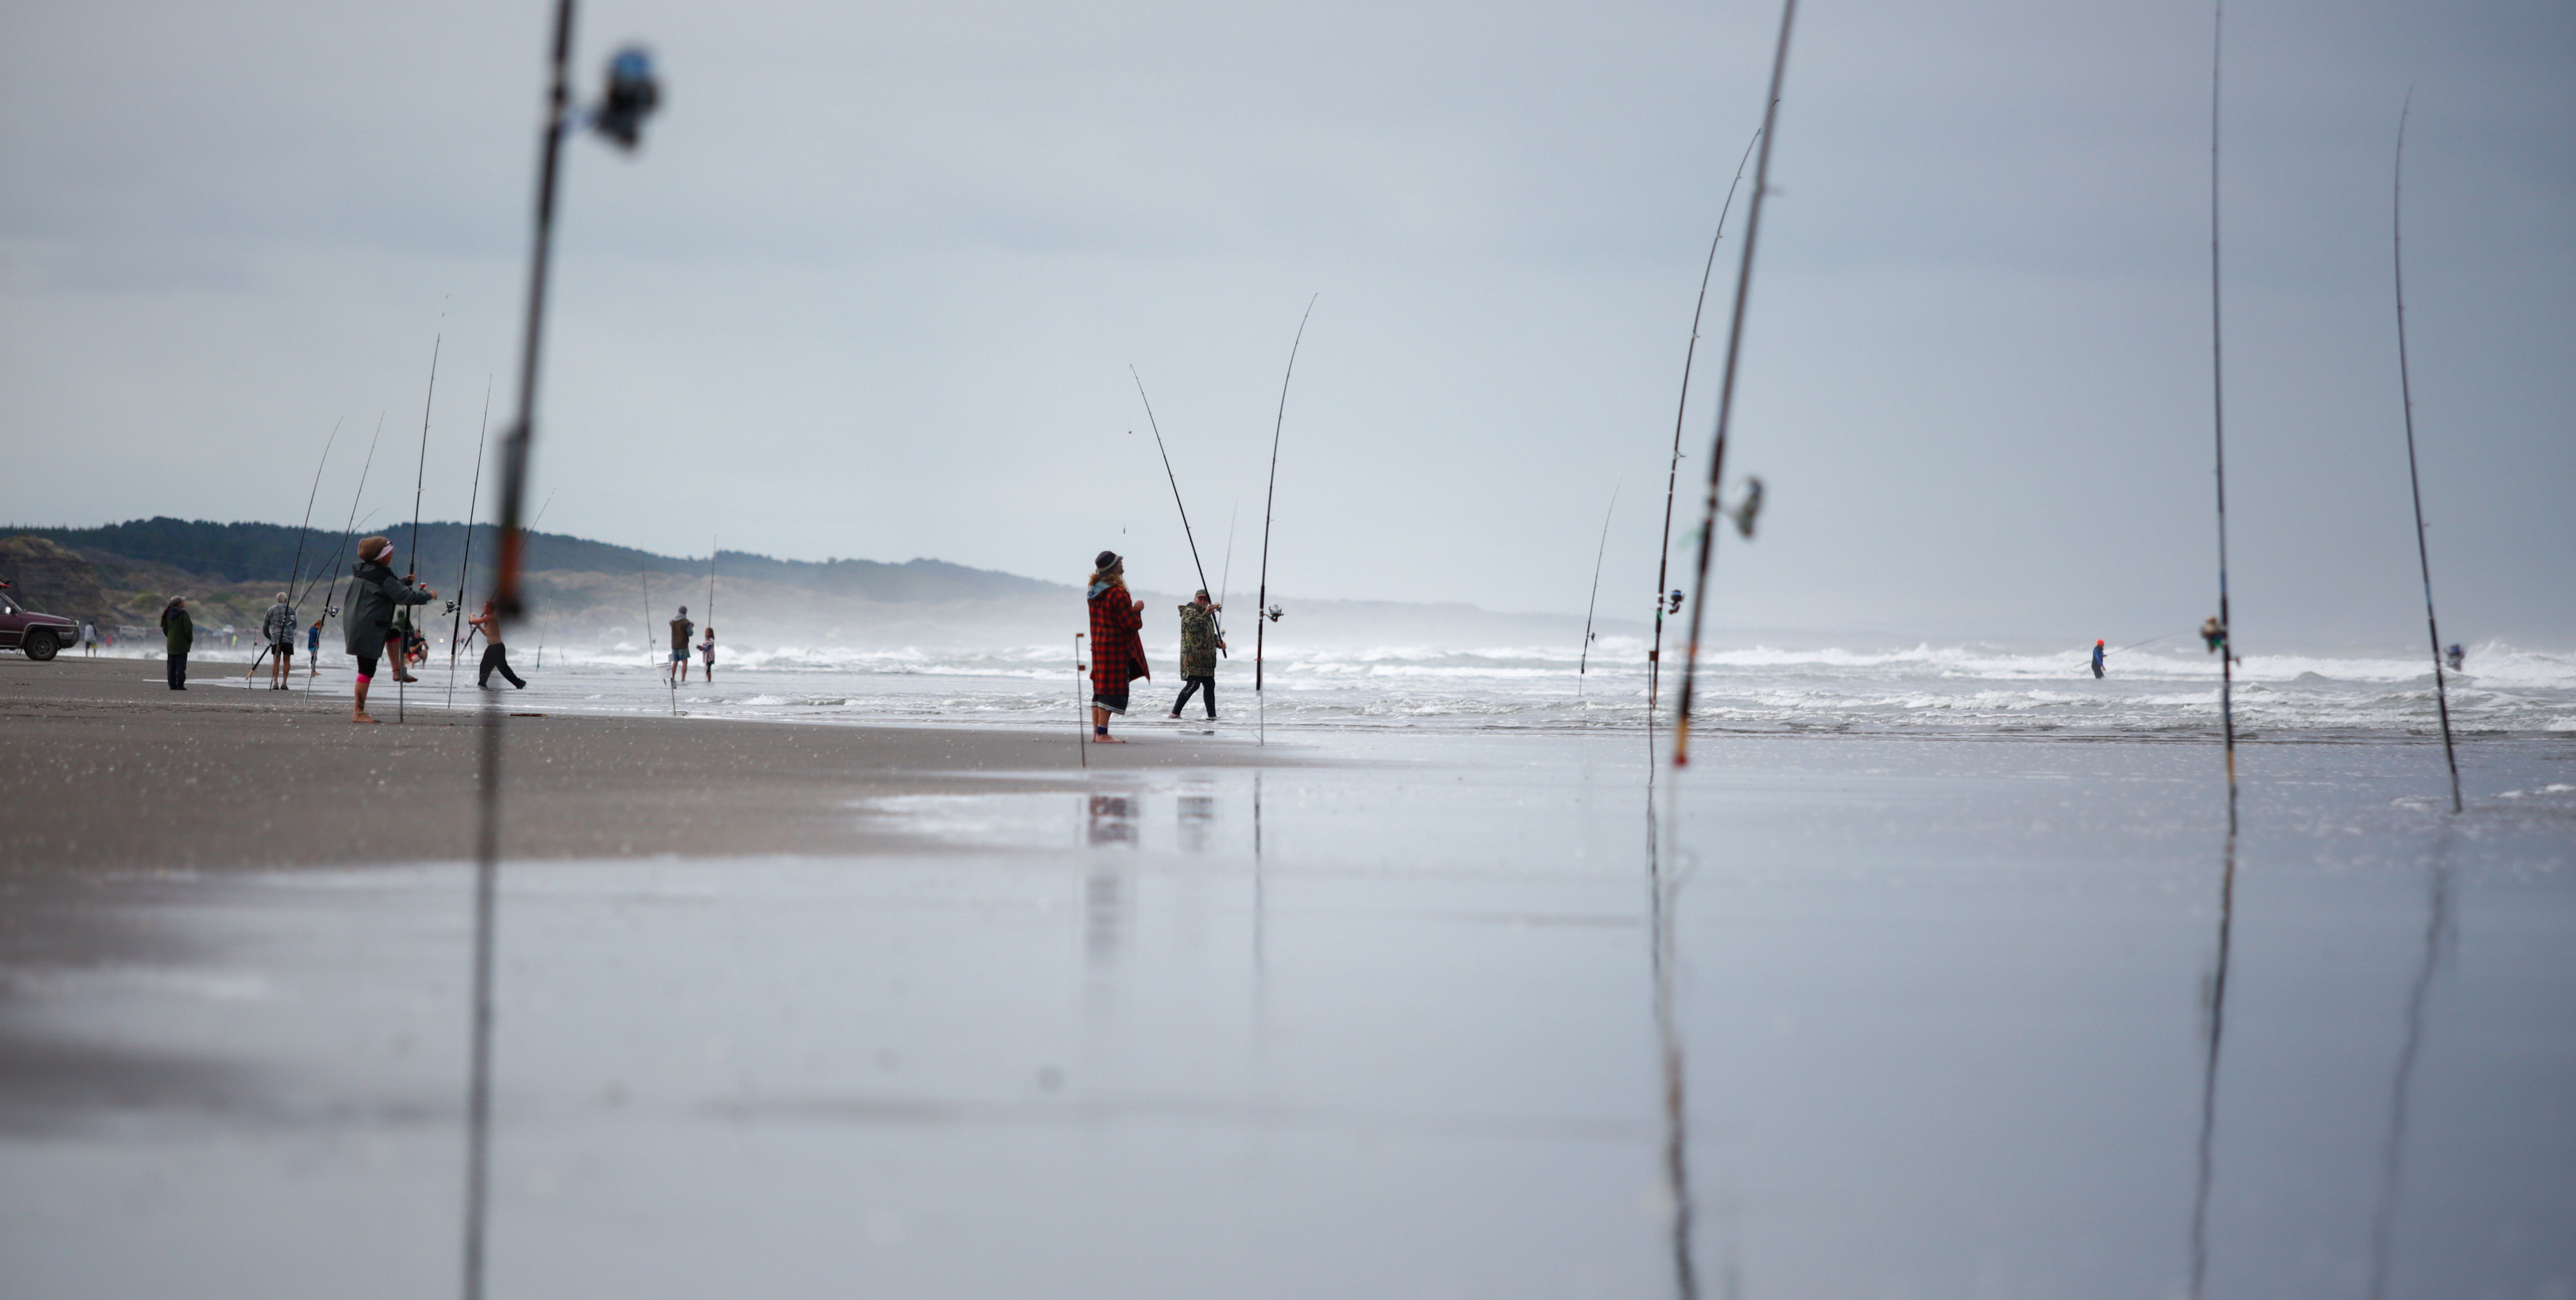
{"x": 1835, "y": 1017}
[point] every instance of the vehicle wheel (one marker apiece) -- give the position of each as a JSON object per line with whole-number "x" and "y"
{"x": 40, "y": 645}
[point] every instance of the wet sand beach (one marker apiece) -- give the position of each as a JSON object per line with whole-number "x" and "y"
{"x": 124, "y": 771}
{"x": 934, "y": 1013}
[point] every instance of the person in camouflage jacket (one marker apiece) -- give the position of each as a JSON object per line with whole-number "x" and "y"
{"x": 1200, "y": 640}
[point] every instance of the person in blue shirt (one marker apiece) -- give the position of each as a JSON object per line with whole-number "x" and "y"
{"x": 2097, "y": 659}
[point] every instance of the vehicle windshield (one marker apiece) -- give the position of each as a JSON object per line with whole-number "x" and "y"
{"x": 7, "y": 606}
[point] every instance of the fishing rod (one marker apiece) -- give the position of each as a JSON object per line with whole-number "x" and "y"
{"x": 1225, "y": 577}
{"x": 2218, "y": 426}
{"x": 1726, "y": 386}
{"x": 1175, "y": 481}
{"x": 473, "y": 503}
{"x": 1262, "y": 613}
{"x": 631, "y": 95}
{"x": 348, "y": 530}
{"x": 2414, "y": 478}
{"x": 295, "y": 574}
{"x": 295, "y": 570}
{"x": 420, "y": 477}
{"x": 1673, "y": 472}
{"x": 2135, "y": 644}
{"x": 1585, "y": 661}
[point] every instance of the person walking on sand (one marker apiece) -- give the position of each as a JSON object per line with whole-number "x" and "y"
{"x": 2097, "y": 660}
{"x": 1199, "y": 644}
{"x": 495, "y": 659}
{"x": 180, "y": 632}
{"x": 89, "y": 639}
{"x": 279, "y": 629}
{"x": 678, "y": 671}
{"x": 375, "y": 594}
{"x": 1117, "y": 648}
{"x": 707, "y": 652}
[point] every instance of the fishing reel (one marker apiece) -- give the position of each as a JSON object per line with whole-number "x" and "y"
{"x": 450, "y": 609}
{"x": 633, "y": 94}
{"x": 1273, "y": 613}
{"x": 1675, "y": 602}
{"x": 1748, "y": 509}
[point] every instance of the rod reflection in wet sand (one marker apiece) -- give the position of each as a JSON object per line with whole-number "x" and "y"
{"x": 2209, "y": 1075}
{"x": 2383, "y": 1223}
{"x": 1661, "y": 888}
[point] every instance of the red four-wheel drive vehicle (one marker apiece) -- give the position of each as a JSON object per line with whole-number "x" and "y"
{"x": 40, "y": 635}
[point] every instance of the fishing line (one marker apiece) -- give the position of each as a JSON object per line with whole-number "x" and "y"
{"x": 1726, "y": 386}
{"x": 1673, "y": 472}
{"x": 1262, "y": 614}
{"x": 2414, "y": 478}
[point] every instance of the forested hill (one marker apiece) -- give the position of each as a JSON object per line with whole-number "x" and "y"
{"x": 268, "y": 553}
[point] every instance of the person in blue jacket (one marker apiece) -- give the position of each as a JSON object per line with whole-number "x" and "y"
{"x": 2097, "y": 659}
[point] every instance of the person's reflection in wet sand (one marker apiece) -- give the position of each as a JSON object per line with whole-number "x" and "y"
{"x": 1113, "y": 820}
{"x": 2209, "y": 1074}
{"x": 1260, "y": 929}
{"x": 1662, "y": 887}
{"x": 1104, "y": 892}
{"x": 2437, "y": 941}
{"x": 1198, "y": 818}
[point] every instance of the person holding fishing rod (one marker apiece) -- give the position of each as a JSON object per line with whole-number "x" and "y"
{"x": 279, "y": 629}
{"x": 1201, "y": 638}
{"x": 495, "y": 659}
{"x": 678, "y": 672}
{"x": 375, "y": 594}
{"x": 1117, "y": 646}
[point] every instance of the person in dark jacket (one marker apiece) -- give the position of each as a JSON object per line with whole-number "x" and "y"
{"x": 1117, "y": 646}
{"x": 278, "y": 628}
{"x": 374, "y": 594}
{"x": 181, "y": 633}
{"x": 1200, "y": 640}
{"x": 2098, "y": 653}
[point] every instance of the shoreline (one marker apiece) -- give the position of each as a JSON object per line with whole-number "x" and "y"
{"x": 116, "y": 770}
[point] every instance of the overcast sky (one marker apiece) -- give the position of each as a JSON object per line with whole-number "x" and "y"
{"x": 873, "y": 285}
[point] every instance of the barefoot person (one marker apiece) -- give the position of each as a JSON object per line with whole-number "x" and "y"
{"x": 1199, "y": 644}
{"x": 374, "y": 596}
{"x": 279, "y": 630}
{"x": 495, "y": 660}
{"x": 1117, "y": 651}
{"x": 678, "y": 671}
{"x": 707, "y": 652}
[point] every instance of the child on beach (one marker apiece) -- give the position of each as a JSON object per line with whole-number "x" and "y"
{"x": 707, "y": 651}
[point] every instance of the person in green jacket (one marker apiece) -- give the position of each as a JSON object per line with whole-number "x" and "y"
{"x": 374, "y": 594}
{"x": 1200, "y": 640}
{"x": 181, "y": 632}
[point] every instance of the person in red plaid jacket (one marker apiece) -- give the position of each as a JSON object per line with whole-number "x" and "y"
{"x": 1117, "y": 646}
